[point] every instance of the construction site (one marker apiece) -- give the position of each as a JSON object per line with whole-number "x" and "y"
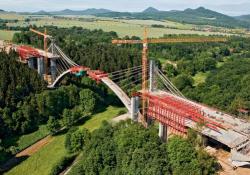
{"x": 170, "y": 108}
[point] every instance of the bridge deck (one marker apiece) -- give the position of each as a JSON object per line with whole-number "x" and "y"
{"x": 49, "y": 54}
{"x": 236, "y": 133}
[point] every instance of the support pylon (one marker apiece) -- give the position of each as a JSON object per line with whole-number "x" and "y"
{"x": 151, "y": 75}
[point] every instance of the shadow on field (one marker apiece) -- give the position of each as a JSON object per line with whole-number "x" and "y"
{"x": 82, "y": 121}
{"x": 11, "y": 163}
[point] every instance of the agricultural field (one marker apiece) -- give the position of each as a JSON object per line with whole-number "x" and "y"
{"x": 121, "y": 26}
{"x": 6, "y": 34}
{"x": 42, "y": 161}
{"x": 12, "y": 16}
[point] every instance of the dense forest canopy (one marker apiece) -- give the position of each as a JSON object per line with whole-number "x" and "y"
{"x": 17, "y": 80}
{"x": 227, "y": 87}
{"x": 131, "y": 149}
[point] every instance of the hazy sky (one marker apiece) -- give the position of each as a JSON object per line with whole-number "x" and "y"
{"x": 230, "y": 7}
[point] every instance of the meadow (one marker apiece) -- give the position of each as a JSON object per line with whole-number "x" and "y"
{"x": 26, "y": 140}
{"x": 6, "y": 34}
{"x": 42, "y": 161}
{"x": 123, "y": 27}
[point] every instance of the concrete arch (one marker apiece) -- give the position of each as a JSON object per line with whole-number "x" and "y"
{"x": 58, "y": 79}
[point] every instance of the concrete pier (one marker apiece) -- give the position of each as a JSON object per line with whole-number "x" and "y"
{"x": 53, "y": 68}
{"x": 40, "y": 66}
{"x": 163, "y": 132}
{"x": 134, "y": 108}
{"x": 31, "y": 63}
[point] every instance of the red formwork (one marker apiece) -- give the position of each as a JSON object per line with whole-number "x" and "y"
{"x": 166, "y": 115}
{"x": 97, "y": 75}
{"x": 77, "y": 69}
{"x": 26, "y": 52}
{"x": 174, "y": 112}
{"x": 194, "y": 112}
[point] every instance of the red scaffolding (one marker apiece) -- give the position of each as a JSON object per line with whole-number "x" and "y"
{"x": 174, "y": 112}
{"x": 26, "y": 52}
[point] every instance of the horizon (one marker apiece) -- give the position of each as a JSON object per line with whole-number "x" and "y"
{"x": 242, "y": 7}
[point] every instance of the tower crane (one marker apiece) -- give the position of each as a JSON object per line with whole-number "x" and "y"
{"x": 45, "y": 37}
{"x": 145, "y": 41}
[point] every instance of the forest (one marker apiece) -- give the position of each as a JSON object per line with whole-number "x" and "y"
{"x": 131, "y": 149}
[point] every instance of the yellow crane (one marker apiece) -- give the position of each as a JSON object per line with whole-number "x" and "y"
{"x": 145, "y": 41}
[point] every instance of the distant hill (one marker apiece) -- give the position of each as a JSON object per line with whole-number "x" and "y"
{"x": 91, "y": 11}
{"x": 41, "y": 12}
{"x": 199, "y": 16}
{"x": 2, "y": 10}
{"x": 243, "y": 18}
{"x": 151, "y": 10}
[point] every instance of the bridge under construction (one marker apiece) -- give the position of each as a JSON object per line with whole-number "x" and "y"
{"x": 162, "y": 103}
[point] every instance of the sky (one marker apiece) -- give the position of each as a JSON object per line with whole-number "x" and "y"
{"x": 230, "y": 7}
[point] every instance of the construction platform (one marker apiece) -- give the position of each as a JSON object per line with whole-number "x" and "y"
{"x": 234, "y": 133}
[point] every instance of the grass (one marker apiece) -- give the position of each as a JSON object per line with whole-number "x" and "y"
{"x": 12, "y": 16}
{"x": 162, "y": 60}
{"x": 200, "y": 78}
{"x": 220, "y": 64}
{"x": 6, "y": 34}
{"x": 26, "y": 140}
{"x": 42, "y": 162}
{"x": 122, "y": 27}
{"x": 97, "y": 119}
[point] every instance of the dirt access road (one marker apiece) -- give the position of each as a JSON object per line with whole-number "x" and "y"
{"x": 35, "y": 147}
{"x": 223, "y": 158}
{"x": 26, "y": 153}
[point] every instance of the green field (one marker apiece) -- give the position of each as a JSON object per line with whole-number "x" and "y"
{"x": 122, "y": 27}
{"x": 6, "y": 35}
{"x": 12, "y": 16}
{"x": 42, "y": 161}
{"x": 26, "y": 140}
